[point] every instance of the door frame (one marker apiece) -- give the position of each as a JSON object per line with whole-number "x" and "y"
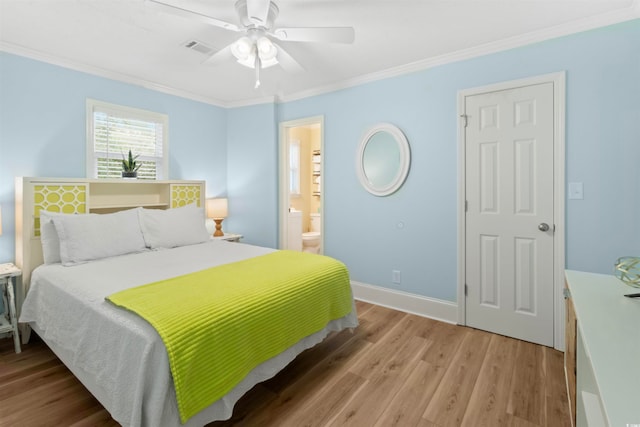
{"x": 558, "y": 80}
{"x": 283, "y": 175}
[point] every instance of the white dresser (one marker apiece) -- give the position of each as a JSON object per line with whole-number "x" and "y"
{"x": 607, "y": 350}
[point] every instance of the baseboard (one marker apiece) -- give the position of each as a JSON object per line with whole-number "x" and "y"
{"x": 433, "y": 308}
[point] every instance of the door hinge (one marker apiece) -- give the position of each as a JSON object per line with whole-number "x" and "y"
{"x": 466, "y": 290}
{"x": 466, "y": 119}
{"x": 466, "y": 206}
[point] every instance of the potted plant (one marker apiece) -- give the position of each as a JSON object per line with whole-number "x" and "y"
{"x": 130, "y": 166}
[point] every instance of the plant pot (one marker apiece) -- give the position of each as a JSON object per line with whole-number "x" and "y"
{"x": 133, "y": 174}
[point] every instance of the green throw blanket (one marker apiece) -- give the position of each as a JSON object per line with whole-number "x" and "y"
{"x": 220, "y": 323}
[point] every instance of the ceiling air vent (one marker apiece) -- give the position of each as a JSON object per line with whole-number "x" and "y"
{"x": 198, "y": 47}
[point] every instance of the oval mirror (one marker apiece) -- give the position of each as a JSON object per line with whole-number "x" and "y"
{"x": 383, "y": 159}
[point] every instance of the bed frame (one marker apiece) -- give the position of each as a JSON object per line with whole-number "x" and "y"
{"x": 81, "y": 196}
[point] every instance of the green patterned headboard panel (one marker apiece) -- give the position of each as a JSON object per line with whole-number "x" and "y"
{"x": 58, "y": 198}
{"x": 182, "y": 195}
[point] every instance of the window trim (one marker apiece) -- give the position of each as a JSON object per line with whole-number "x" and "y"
{"x": 137, "y": 113}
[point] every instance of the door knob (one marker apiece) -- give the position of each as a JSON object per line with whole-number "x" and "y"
{"x": 543, "y": 226}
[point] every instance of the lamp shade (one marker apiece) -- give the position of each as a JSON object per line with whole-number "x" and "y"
{"x": 217, "y": 208}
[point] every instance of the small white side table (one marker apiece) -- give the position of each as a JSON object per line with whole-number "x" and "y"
{"x": 10, "y": 323}
{"x": 229, "y": 237}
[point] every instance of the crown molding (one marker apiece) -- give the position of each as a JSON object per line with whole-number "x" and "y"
{"x": 102, "y": 72}
{"x": 253, "y": 101}
{"x": 124, "y": 78}
{"x": 602, "y": 20}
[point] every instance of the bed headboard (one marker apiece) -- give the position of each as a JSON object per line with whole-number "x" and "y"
{"x": 81, "y": 196}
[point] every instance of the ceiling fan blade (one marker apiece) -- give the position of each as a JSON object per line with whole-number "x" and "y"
{"x": 287, "y": 62}
{"x": 189, "y": 14}
{"x": 321, "y": 34}
{"x": 223, "y": 55}
{"x": 258, "y": 11}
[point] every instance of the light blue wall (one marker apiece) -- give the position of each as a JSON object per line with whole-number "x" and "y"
{"x": 252, "y": 168}
{"x": 236, "y": 152}
{"x": 603, "y": 152}
{"x": 43, "y": 129}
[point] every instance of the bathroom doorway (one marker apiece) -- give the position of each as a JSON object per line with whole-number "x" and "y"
{"x": 301, "y": 190}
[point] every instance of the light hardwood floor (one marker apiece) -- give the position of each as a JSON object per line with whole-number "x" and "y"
{"x": 395, "y": 369}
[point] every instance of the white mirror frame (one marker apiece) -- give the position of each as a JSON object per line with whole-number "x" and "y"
{"x": 403, "y": 168}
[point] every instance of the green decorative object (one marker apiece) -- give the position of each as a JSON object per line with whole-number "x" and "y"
{"x": 628, "y": 270}
{"x": 130, "y": 166}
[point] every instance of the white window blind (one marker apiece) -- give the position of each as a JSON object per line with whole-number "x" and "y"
{"x": 113, "y": 130}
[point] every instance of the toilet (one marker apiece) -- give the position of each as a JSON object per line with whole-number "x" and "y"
{"x": 311, "y": 240}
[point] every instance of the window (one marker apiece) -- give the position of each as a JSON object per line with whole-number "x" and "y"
{"x": 113, "y": 130}
{"x": 294, "y": 168}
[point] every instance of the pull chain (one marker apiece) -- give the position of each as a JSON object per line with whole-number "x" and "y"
{"x": 257, "y": 66}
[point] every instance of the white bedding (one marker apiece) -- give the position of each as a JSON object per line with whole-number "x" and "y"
{"x": 117, "y": 355}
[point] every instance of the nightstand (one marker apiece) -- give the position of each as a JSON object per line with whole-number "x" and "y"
{"x": 9, "y": 319}
{"x": 229, "y": 237}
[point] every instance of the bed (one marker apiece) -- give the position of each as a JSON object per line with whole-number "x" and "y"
{"x": 114, "y": 352}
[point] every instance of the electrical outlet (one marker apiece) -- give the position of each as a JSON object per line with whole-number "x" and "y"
{"x": 395, "y": 276}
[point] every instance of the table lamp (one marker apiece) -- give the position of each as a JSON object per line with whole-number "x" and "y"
{"x": 217, "y": 210}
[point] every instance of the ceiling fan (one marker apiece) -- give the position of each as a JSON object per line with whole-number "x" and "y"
{"x": 256, "y": 47}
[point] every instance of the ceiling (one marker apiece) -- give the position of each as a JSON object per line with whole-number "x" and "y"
{"x": 131, "y": 41}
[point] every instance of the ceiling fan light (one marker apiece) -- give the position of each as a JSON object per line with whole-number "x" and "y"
{"x": 242, "y": 49}
{"x": 267, "y": 52}
{"x": 266, "y": 49}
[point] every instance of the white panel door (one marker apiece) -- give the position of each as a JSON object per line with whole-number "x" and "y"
{"x": 509, "y": 217}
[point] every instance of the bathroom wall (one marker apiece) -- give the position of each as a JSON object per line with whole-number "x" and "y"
{"x": 301, "y": 202}
{"x": 314, "y": 138}
{"x": 309, "y": 137}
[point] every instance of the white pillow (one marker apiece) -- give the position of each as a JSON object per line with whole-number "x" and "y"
{"x": 88, "y": 237}
{"x": 173, "y": 227}
{"x": 49, "y": 237}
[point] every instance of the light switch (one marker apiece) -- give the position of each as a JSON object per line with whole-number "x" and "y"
{"x": 576, "y": 191}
